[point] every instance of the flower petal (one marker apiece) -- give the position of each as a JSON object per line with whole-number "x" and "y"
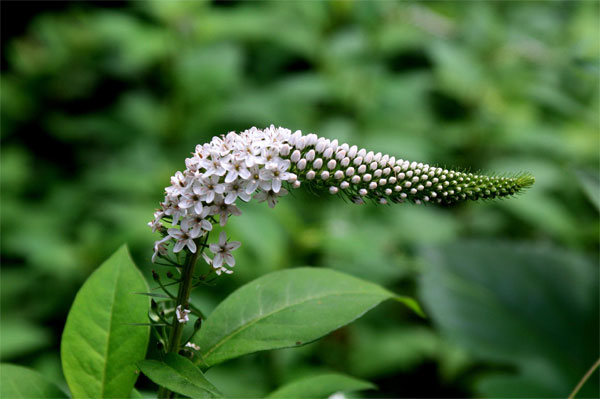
{"x": 191, "y": 245}
{"x": 178, "y": 246}
{"x": 222, "y": 239}
{"x": 218, "y": 261}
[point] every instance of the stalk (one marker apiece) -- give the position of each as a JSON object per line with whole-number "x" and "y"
{"x": 183, "y": 296}
{"x": 584, "y": 379}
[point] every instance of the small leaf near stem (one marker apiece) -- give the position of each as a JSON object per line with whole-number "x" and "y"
{"x": 164, "y": 288}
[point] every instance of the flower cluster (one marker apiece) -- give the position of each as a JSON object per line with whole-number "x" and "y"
{"x": 259, "y": 163}
{"x": 231, "y": 167}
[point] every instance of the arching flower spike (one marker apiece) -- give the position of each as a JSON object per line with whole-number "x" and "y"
{"x": 259, "y": 163}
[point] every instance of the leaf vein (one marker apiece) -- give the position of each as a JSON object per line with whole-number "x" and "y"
{"x": 264, "y": 316}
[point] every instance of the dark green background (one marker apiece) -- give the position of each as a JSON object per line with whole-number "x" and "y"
{"x": 101, "y": 103}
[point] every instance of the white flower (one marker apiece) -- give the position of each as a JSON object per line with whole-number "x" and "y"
{"x": 235, "y": 190}
{"x": 197, "y": 225}
{"x": 207, "y": 187}
{"x": 155, "y": 224}
{"x": 270, "y": 196}
{"x": 269, "y": 157}
{"x": 222, "y": 269}
{"x": 235, "y": 167}
{"x": 192, "y": 346}
{"x": 184, "y": 238}
{"x": 222, "y": 251}
{"x": 193, "y": 163}
{"x": 218, "y": 270}
{"x": 223, "y": 210}
{"x": 247, "y": 150}
{"x": 159, "y": 248}
{"x": 192, "y": 199}
{"x": 253, "y": 180}
{"x": 178, "y": 182}
{"x": 213, "y": 164}
{"x": 175, "y": 211}
{"x": 182, "y": 314}
{"x": 271, "y": 178}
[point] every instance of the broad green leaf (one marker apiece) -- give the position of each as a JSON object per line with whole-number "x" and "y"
{"x": 100, "y": 346}
{"x": 21, "y": 382}
{"x": 285, "y": 308}
{"x": 534, "y": 308}
{"x": 180, "y": 375}
{"x": 320, "y": 386}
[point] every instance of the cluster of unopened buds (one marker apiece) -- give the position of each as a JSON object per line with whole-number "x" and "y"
{"x": 264, "y": 164}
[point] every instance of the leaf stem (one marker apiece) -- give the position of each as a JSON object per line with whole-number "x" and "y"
{"x": 584, "y": 379}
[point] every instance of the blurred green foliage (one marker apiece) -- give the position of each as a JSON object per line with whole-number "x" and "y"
{"x": 100, "y": 106}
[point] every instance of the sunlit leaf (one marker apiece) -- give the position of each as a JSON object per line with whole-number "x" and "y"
{"x": 99, "y": 346}
{"x": 285, "y": 308}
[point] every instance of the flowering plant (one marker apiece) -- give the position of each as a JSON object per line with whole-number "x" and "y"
{"x": 113, "y": 316}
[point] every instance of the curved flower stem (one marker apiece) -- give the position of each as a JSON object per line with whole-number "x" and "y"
{"x": 183, "y": 296}
{"x": 584, "y": 378}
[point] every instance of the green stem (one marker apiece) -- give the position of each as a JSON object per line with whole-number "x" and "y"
{"x": 183, "y": 296}
{"x": 584, "y": 379}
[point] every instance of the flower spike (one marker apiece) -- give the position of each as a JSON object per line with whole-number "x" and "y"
{"x": 258, "y": 163}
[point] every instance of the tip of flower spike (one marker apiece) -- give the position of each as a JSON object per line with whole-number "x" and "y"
{"x": 525, "y": 181}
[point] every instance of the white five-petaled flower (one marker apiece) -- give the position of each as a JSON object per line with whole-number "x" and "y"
{"x": 183, "y": 238}
{"x": 236, "y": 167}
{"x": 223, "y": 209}
{"x": 270, "y": 196}
{"x": 271, "y": 177}
{"x": 190, "y": 200}
{"x": 197, "y": 225}
{"x": 174, "y": 210}
{"x": 182, "y": 314}
{"x": 222, "y": 251}
{"x": 208, "y": 187}
{"x": 236, "y": 189}
{"x": 213, "y": 165}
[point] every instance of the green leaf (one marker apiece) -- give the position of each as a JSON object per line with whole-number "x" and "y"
{"x": 99, "y": 346}
{"x": 21, "y": 382}
{"x": 534, "y": 308}
{"x": 377, "y": 351}
{"x": 320, "y": 386}
{"x": 20, "y": 337}
{"x": 283, "y": 309}
{"x": 180, "y": 375}
{"x": 590, "y": 181}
